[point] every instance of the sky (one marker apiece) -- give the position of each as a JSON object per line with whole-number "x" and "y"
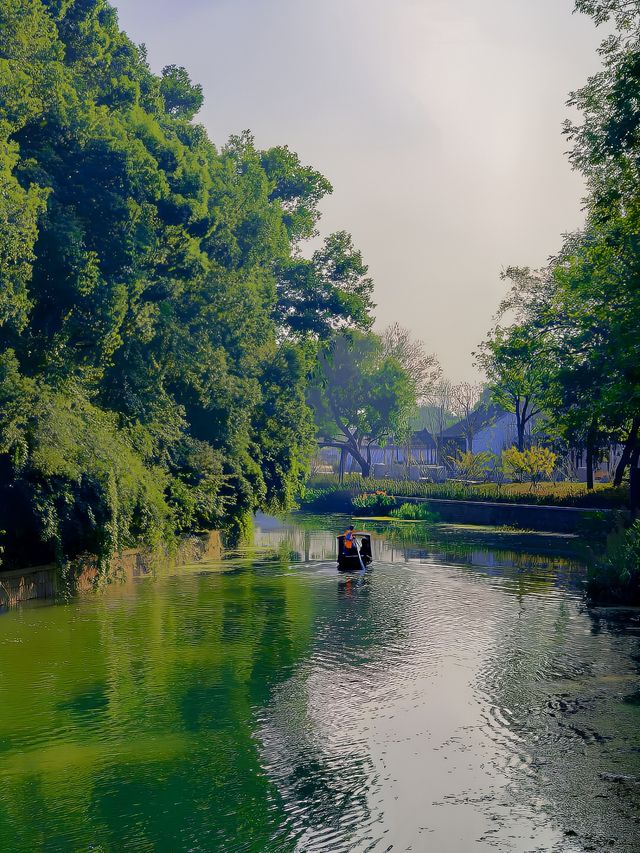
{"x": 438, "y": 122}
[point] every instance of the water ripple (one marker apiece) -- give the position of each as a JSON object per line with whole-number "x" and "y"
{"x": 455, "y": 698}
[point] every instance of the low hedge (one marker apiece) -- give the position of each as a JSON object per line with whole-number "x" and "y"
{"x": 415, "y": 512}
{"x": 546, "y": 494}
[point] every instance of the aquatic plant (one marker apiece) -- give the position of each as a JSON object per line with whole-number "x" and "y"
{"x": 415, "y": 512}
{"x": 374, "y": 503}
{"x": 614, "y": 578}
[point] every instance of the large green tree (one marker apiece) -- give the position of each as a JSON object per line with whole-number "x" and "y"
{"x": 157, "y": 318}
{"x": 361, "y": 397}
{"x": 514, "y": 363}
{"x": 572, "y": 345}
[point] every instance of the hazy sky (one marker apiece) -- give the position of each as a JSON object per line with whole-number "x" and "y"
{"x": 437, "y": 121}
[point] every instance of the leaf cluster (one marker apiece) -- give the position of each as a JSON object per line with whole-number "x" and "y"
{"x": 157, "y": 320}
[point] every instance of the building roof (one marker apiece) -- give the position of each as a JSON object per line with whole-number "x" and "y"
{"x": 423, "y": 438}
{"x": 420, "y": 439}
{"x": 484, "y": 416}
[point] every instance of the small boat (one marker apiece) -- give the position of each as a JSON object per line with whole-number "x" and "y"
{"x": 348, "y": 560}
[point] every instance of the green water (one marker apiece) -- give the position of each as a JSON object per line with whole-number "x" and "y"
{"x": 459, "y": 697}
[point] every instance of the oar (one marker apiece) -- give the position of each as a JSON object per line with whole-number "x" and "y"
{"x": 355, "y": 541}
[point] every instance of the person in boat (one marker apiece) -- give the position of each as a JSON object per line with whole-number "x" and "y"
{"x": 349, "y": 538}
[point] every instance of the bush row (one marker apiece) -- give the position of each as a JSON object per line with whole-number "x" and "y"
{"x": 552, "y": 494}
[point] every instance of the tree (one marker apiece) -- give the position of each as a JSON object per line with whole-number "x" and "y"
{"x": 299, "y": 190}
{"x": 623, "y": 12}
{"x": 465, "y": 398}
{"x": 437, "y": 414}
{"x": 606, "y": 144}
{"x": 332, "y": 291}
{"x": 570, "y": 350}
{"x": 423, "y": 368}
{"x": 515, "y": 367}
{"x": 472, "y": 466}
{"x": 533, "y": 464}
{"x": 585, "y": 321}
{"x": 182, "y": 99}
{"x": 361, "y": 397}
{"x": 157, "y": 319}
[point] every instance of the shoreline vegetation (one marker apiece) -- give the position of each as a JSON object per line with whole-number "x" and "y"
{"x": 609, "y": 541}
{"x": 320, "y": 491}
{"x": 158, "y": 318}
{"x": 176, "y": 342}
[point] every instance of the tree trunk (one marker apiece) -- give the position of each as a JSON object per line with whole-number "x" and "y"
{"x": 589, "y": 466}
{"x": 341, "y": 466}
{"x": 365, "y": 465}
{"x": 591, "y": 437}
{"x": 520, "y": 424}
{"x": 629, "y": 446}
{"x": 634, "y": 486}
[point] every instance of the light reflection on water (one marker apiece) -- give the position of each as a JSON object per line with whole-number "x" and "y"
{"x": 456, "y": 698}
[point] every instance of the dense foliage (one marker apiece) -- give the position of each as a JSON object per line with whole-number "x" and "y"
{"x": 614, "y": 576}
{"x": 570, "y": 348}
{"x": 361, "y": 396}
{"x": 157, "y": 319}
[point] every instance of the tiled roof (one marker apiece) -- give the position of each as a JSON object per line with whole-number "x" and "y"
{"x": 484, "y": 416}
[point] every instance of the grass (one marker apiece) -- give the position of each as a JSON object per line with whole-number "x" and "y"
{"x": 415, "y": 512}
{"x": 604, "y": 496}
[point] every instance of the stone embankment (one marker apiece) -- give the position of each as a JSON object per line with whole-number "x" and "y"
{"x": 550, "y": 519}
{"x": 42, "y": 582}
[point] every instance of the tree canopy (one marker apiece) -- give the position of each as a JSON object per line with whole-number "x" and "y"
{"x": 157, "y": 320}
{"x": 572, "y": 348}
{"x": 361, "y": 396}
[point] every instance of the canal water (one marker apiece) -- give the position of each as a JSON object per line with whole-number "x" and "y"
{"x": 457, "y": 697}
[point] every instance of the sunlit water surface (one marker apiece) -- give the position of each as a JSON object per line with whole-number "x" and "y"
{"x": 459, "y": 697}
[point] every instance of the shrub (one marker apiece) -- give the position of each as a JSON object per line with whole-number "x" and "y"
{"x": 415, "y": 512}
{"x": 81, "y": 484}
{"x": 615, "y": 577}
{"x": 374, "y": 503}
{"x": 549, "y": 493}
{"x": 473, "y": 466}
{"x": 531, "y": 465}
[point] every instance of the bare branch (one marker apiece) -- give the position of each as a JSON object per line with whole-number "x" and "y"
{"x": 423, "y": 368}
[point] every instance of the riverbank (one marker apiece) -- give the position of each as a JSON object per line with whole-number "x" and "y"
{"x": 47, "y": 582}
{"x": 567, "y": 494}
{"x": 551, "y": 519}
{"x": 528, "y": 516}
